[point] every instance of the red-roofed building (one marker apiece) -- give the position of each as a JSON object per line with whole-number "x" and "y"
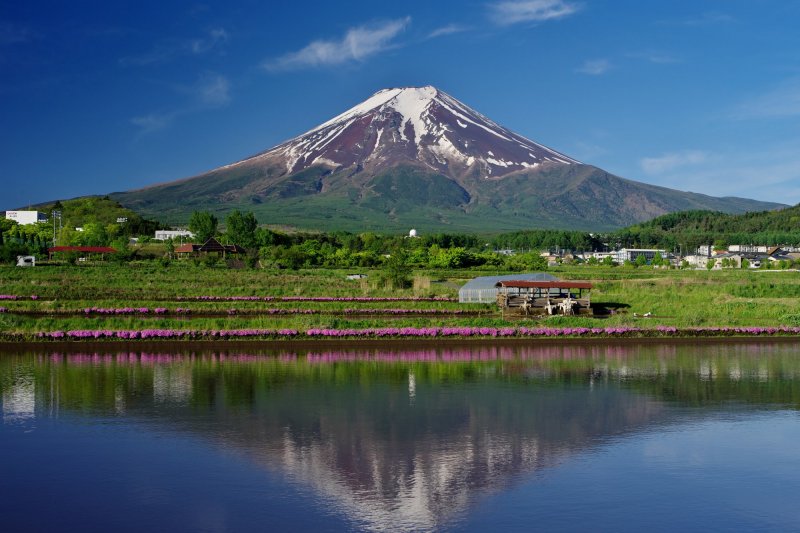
{"x": 210, "y": 246}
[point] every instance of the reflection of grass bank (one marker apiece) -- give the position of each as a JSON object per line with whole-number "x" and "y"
{"x": 675, "y": 298}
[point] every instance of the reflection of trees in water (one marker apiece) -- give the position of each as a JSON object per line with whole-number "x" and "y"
{"x": 348, "y": 423}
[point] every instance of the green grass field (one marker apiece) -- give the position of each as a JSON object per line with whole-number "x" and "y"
{"x": 673, "y": 298}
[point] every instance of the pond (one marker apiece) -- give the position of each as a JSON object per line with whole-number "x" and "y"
{"x": 473, "y": 437}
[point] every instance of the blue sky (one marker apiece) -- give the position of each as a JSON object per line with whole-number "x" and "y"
{"x": 97, "y": 97}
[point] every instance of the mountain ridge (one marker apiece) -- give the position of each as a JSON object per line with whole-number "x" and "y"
{"x": 463, "y": 172}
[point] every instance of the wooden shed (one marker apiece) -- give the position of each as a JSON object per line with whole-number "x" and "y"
{"x": 212, "y": 245}
{"x": 545, "y": 297}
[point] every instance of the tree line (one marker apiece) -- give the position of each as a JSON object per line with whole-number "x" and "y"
{"x": 103, "y": 222}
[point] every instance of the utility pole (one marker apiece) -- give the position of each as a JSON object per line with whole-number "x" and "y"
{"x": 56, "y": 215}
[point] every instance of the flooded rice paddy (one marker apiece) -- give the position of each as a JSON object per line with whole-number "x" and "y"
{"x": 464, "y": 437}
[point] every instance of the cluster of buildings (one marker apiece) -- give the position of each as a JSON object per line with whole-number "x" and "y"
{"x": 737, "y": 256}
{"x": 734, "y": 256}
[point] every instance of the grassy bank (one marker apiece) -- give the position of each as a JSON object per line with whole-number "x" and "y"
{"x": 56, "y": 298}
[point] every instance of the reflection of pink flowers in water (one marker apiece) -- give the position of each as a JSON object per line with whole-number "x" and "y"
{"x": 480, "y": 352}
{"x": 411, "y": 332}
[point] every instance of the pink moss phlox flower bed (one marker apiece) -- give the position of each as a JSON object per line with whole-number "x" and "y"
{"x": 411, "y": 332}
{"x": 15, "y": 297}
{"x": 121, "y": 311}
{"x": 131, "y": 311}
{"x": 166, "y": 334}
{"x": 3, "y": 309}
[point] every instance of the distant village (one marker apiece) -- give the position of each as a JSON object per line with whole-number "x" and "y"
{"x": 704, "y": 257}
{"x": 708, "y": 257}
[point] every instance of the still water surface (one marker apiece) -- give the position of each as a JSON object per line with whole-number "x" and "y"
{"x": 523, "y": 437}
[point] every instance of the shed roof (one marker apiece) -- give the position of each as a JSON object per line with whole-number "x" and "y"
{"x": 490, "y": 282}
{"x": 187, "y": 248}
{"x": 561, "y": 284}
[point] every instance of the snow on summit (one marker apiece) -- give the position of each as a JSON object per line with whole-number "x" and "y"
{"x": 420, "y": 125}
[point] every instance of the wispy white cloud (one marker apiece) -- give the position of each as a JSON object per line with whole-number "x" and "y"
{"x": 153, "y": 121}
{"x": 210, "y": 91}
{"x": 213, "y": 90}
{"x": 587, "y": 150}
{"x": 781, "y": 101}
{"x": 670, "y": 161}
{"x": 766, "y": 173}
{"x": 708, "y": 18}
{"x": 215, "y": 37}
{"x": 447, "y": 30}
{"x": 594, "y": 67}
{"x": 654, "y": 56}
{"x": 509, "y": 12}
{"x": 168, "y": 51}
{"x": 358, "y": 44}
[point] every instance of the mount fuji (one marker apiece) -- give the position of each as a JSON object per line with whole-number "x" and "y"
{"x": 417, "y": 157}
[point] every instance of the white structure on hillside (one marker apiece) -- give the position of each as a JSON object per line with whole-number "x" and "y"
{"x": 748, "y": 248}
{"x": 164, "y": 235}
{"x": 630, "y": 254}
{"x": 24, "y": 218}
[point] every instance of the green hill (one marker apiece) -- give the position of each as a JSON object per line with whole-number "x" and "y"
{"x": 692, "y": 228}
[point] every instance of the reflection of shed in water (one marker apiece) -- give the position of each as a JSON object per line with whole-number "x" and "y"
{"x": 562, "y": 297}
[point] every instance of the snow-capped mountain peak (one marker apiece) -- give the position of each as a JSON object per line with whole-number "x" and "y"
{"x": 422, "y": 125}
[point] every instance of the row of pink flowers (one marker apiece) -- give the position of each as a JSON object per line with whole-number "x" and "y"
{"x": 410, "y": 332}
{"x": 15, "y": 297}
{"x": 273, "y": 311}
{"x": 3, "y": 309}
{"x": 123, "y": 311}
{"x": 312, "y": 299}
{"x": 166, "y": 334}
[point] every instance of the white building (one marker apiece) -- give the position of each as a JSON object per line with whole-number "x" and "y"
{"x": 630, "y": 254}
{"x": 24, "y": 218}
{"x": 163, "y": 235}
{"x": 748, "y": 248}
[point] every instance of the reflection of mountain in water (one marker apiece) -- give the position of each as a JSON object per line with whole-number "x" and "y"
{"x": 389, "y": 458}
{"x": 394, "y": 441}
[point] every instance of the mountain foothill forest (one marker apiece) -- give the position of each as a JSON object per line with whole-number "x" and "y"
{"x": 104, "y": 222}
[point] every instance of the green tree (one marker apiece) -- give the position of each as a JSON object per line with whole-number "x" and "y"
{"x": 397, "y": 270}
{"x": 608, "y": 261}
{"x": 641, "y": 260}
{"x": 241, "y": 229}
{"x": 456, "y": 257}
{"x": 710, "y": 264}
{"x": 203, "y": 224}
